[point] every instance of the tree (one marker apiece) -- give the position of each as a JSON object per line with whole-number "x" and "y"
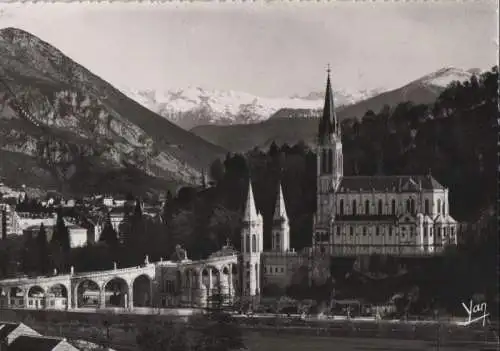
{"x": 108, "y": 234}
{"x": 43, "y": 250}
{"x": 3, "y": 215}
{"x": 61, "y": 233}
{"x": 217, "y": 171}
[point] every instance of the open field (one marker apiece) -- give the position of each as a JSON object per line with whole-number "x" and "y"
{"x": 263, "y": 336}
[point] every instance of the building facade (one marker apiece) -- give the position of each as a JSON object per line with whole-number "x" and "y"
{"x": 363, "y": 215}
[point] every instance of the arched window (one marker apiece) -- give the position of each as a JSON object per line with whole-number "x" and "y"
{"x": 367, "y": 207}
{"x": 380, "y": 207}
{"x": 412, "y": 205}
{"x": 247, "y": 243}
{"x": 330, "y": 161}
{"x": 425, "y": 231}
{"x": 254, "y": 243}
{"x": 444, "y": 209}
{"x": 341, "y": 207}
{"x": 439, "y": 205}
{"x": 278, "y": 239}
{"x": 426, "y": 205}
{"x": 354, "y": 208}
{"x": 393, "y": 207}
{"x": 408, "y": 205}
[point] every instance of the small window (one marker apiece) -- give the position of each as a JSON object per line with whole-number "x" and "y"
{"x": 351, "y": 231}
{"x": 338, "y": 230}
{"x": 282, "y": 270}
{"x": 364, "y": 231}
{"x": 354, "y": 208}
{"x": 379, "y": 207}
{"x": 390, "y": 231}
{"x": 367, "y": 207}
{"x": 393, "y": 207}
{"x": 341, "y": 207}
{"x": 377, "y": 231}
{"x": 276, "y": 269}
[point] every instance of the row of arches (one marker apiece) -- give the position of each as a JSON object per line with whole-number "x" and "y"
{"x": 88, "y": 293}
{"x": 410, "y": 207}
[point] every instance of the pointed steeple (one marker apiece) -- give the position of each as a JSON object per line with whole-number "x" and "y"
{"x": 328, "y": 124}
{"x": 250, "y": 208}
{"x": 280, "y": 214}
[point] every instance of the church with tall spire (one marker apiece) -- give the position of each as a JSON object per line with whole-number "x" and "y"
{"x": 356, "y": 216}
{"x": 363, "y": 215}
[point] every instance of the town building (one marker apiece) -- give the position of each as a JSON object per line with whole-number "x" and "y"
{"x": 9, "y": 332}
{"x": 40, "y": 343}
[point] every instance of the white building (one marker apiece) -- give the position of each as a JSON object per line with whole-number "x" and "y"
{"x": 361, "y": 215}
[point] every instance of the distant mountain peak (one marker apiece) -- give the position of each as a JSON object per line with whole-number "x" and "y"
{"x": 192, "y": 106}
{"x": 444, "y": 76}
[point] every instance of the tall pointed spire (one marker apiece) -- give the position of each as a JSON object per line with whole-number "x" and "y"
{"x": 328, "y": 124}
{"x": 280, "y": 208}
{"x": 250, "y": 209}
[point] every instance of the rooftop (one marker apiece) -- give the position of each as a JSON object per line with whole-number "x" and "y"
{"x": 403, "y": 183}
{"x": 34, "y": 343}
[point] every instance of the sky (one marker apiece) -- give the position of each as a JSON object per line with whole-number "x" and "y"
{"x": 272, "y": 50}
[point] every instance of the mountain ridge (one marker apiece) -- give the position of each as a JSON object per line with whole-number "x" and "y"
{"x": 66, "y": 98}
{"x": 193, "y": 106}
{"x": 292, "y": 125}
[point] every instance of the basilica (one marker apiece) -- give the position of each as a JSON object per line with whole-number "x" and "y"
{"x": 362, "y": 215}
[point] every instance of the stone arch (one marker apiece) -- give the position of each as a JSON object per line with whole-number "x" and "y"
{"x": 16, "y": 291}
{"x": 205, "y": 279}
{"x": 57, "y": 297}
{"x": 58, "y": 290}
{"x": 36, "y": 291}
{"x": 178, "y": 281}
{"x": 142, "y": 291}
{"x": 216, "y": 279}
{"x": 236, "y": 278}
{"x": 115, "y": 292}
{"x": 88, "y": 293}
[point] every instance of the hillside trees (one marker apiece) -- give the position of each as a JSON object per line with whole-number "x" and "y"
{"x": 43, "y": 250}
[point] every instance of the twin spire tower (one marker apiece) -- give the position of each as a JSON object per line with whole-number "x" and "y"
{"x": 329, "y": 173}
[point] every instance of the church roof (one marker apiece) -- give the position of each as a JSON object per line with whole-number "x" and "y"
{"x": 250, "y": 208}
{"x": 280, "y": 207}
{"x": 328, "y": 124}
{"x": 389, "y": 183}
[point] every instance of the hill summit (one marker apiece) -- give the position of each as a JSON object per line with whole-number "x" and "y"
{"x": 61, "y": 126}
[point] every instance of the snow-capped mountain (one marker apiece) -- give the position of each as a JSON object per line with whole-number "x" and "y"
{"x": 195, "y": 106}
{"x": 445, "y": 76}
